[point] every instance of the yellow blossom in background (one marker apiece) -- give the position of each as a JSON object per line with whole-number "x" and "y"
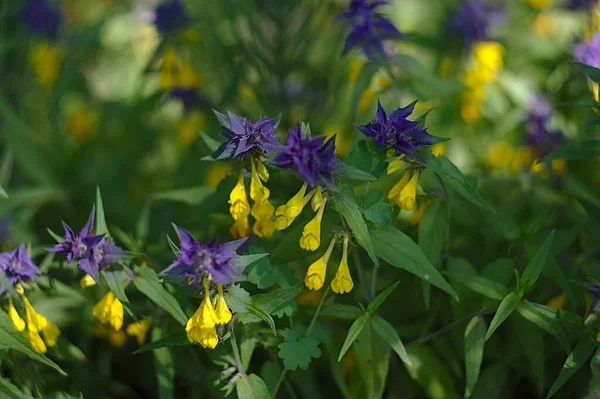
{"x": 559, "y": 301}
{"x": 439, "y": 149}
{"x": 395, "y": 165}
{"x": 36, "y": 341}
{"x": 115, "y": 338}
{"x": 238, "y": 201}
{"x": 36, "y": 324}
{"x": 522, "y": 158}
{"x": 81, "y": 122}
{"x": 343, "y": 143}
{"x": 189, "y": 126}
{"x": 191, "y": 35}
{"x": 216, "y": 172}
{"x": 354, "y": 68}
{"x": 545, "y": 25}
{"x": 46, "y": 61}
{"x": 167, "y": 78}
{"x": 342, "y": 283}
{"x": 109, "y": 310}
{"x": 240, "y": 228}
{"x": 187, "y": 77}
{"x": 499, "y": 155}
{"x": 287, "y": 213}
{"x": 246, "y": 92}
{"x": 381, "y": 82}
{"x": 366, "y": 99}
{"x": 559, "y": 166}
{"x": 139, "y": 330}
{"x": 538, "y": 3}
{"x": 415, "y": 219}
{"x": 446, "y": 67}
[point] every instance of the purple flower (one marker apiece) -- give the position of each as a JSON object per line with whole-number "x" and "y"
{"x": 195, "y": 259}
{"x": 473, "y": 20}
{"x": 588, "y": 52}
{"x": 244, "y": 136}
{"x": 189, "y": 97}
{"x": 41, "y": 18}
{"x": 579, "y": 4}
{"x": 594, "y": 290}
{"x": 17, "y": 265}
{"x": 368, "y": 28}
{"x": 170, "y": 16}
{"x": 90, "y": 251}
{"x": 396, "y": 131}
{"x": 311, "y": 157}
{"x": 539, "y": 137}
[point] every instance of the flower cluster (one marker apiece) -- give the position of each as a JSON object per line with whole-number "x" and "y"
{"x": 368, "y": 28}
{"x": 315, "y": 275}
{"x": 474, "y": 19}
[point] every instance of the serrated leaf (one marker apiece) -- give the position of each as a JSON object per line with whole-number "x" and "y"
{"x": 399, "y": 250}
{"x": 582, "y": 352}
{"x": 340, "y": 311}
{"x": 189, "y": 196}
{"x": 100, "y": 220}
{"x": 11, "y": 338}
{"x": 474, "y": 342}
{"x": 380, "y": 214}
{"x": 353, "y": 333}
{"x": 575, "y": 151}
{"x": 535, "y": 266}
{"x": 349, "y": 209}
{"x": 381, "y": 297}
{"x": 254, "y": 389}
{"x": 390, "y": 335}
{"x": 175, "y": 339}
{"x": 545, "y": 322}
{"x": 149, "y": 284}
{"x": 506, "y": 307}
{"x": 298, "y": 352}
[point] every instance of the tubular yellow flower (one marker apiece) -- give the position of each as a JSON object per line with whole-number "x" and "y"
{"x": 395, "y": 165}
{"x": 311, "y": 234}
{"x": 116, "y": 339}
{"x": 36, "y": 341}
{"x": 258, "y": 191}
{"x": 216, "y": 173}
{"x": 394, "y": 193}
{"x": 342, "y": 282}
{"x": 109, "y": 310}
{"x": 366, "y": 99}
{"x": 317, "y": 199}
{"x": 51, "y": 334}
{"x": 241, "y": 228}
{"x": 407, "y": 197}
{"x": 264, "y": 228}
{"x": 315, "y": 275}
{"x": 36, "y": 324}
{"x": 46, "y": 62}
{"x": 262, "y": 171}
{"x": 167, "y": 76}
{"x": 521, "y": 158}
{"x": 202, "y": 321}
{"x": 499, "y": 155}
{"x": 139, "y": 330}
{"x": 438, "y": 149}
{"x": 35, "y": 321}
{"x": 223, "y": 314}
{"x": 290, "y": 211}
{"x": 87, "y": 281}
{"x": 418, "y": 215}
{"x": 262, "y": 210}
{"x": 14, "y": 316}
{"x": 207, "y": 337}
{"x": 558, "y": 302}
{"x": 239, "y": 206}
{"x": 354, "y": 68}
{"x": 81, "y": 122}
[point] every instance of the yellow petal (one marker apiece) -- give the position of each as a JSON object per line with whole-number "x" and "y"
{"x": 264, "y": 228}
{"x": 14, "y": 316}
{"x": 287, "y": 213}
{"x": 216, "y": 173}
{"x": 87, "y": 281}
{"x": 139, "y": 330}
{"x": 395, "y": 165}
{"x": 342, "y": 282}
{"x": 418, "y": 215}
{"x": 315, "y": 275}
{"x": 46, "y": 62}
{"x": 35, "y": 321}
{"x": 239, "y": 205}
{"x": 241, "y": 228}
{"x": 406, "y": 199}
{"x": 558, "y": 301}
{"x": 51, "y": 333}
{"x": 116, "y": 339}
{"x": 311, "y": 234}
{"x": 208, "y": 338}
{"x": 317, "y": 199}
{"x": 223, "y": 314}
{"x": 395, "y": 191}
{"x": 36, "y": 341}
{"x": 109, "y": 310}
{"x": 262, "y": 209}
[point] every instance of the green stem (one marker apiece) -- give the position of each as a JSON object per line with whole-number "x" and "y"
{"x": 236, "y": 355}
{"x": 314, "y": 319}
{"x": 279, "y": 381}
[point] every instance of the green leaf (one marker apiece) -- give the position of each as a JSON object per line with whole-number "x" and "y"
{"x": 10, "y": 391}
{"x": 243, "y": 261}
{"x": 344, "y": 171}
{"x": 148, "y": 283}
{"x": 545, "y": 322}
{"x": 390, "y": 335}
{"x": 430, "y": 373}
{"x": 575, "y": 151}
{"x": 189, "y": 196}
{"x": 491, "y": 382}
{"x": 260, "y": 272}
{"x": 380, "y": 214}
{"x": 571, "y": 321}
{"x": 211, "y": 143}
{"x": 279, "y": 298}
{"x": 246, "y": 308}
{"x": 373, "y": 360}
{"x": 457, "y": 181}
{"x": 142, "y": 227}
{"x": 6, "y": 168}
{"x": 399, "y": 250}
{"x": 507, "y": 306}
{"x": 381, "y": 297}
{"x": 535, "y": 266}
{"x": 175, "y": 339}
{"x": 13, "y": 339}
{"x": 582, "y": 352}
{"x": 531, "y": 341}
{"x": 353, "y": 333}
{"x": 474, "y": 342}
{"x": 254, "y": 389}
{"x": 115, "y": 279}
{"x": 164, "y": 366}
{"x": 100, "y": 221}
{"x": 349, "y": 209}
{"x": 297, "y": 352}
{"x": 481, "y": 285}
{"x": 590, "y": 71}
{"x": 340, "y": 311}
{"x": 433, "y": 228}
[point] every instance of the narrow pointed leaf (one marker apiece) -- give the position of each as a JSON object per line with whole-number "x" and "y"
{"x": 349, "y": 209}
{"x": 149, "y": 284}
{"x": 507, "y": 306}
{"x": 381, "y": 297}
{"x": 536, "y": 265}
{"x": 582, "y": 352}
{"x": 390, "y": 335}
{"x": 353, "y": 333}
{"x": 474, "y": 342}
{"x": 545, "y": 322}
{"x": 100, "y": 220}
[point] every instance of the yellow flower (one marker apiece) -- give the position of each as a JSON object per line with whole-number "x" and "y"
{"x": 207, "y": 337}
{"x": 216, "y": 173}
{"x": 538, "y": 3}
{"x": 258, "y": 191}
{"x": 290, "y": 211}
{"x": 264, "y": 227}
{"x": 406, "y": 199}
{"x": 263, "y": 210}
{"x": 342, "y": 282}
{"x": 35, "y": 321}
{"x": 188, "y": 127}
{"x": 36, "y": 324}
{"x": 223, "y": 314}
{"x": 51, "y": 333}
{"x": 545, "y": 25}
{"x": 109, "y": 310}
{"x": 87, "y": 281}
{"x": 311, "y": 234}
{"x": 14, "y": 316}
{"x": 200, "y": 327}
{"x": 115, "y": 338}
{"x": 36, "y": 341}
{"x": 246, "y": 92}
{"x": 317, "y": 199}
{"x": 521, "y": 158}
{"x": 241, "y": 228}
{"x": 470, "y": 112}
{"x": 239, "y": 206}
{"x": 439, "y": 149}
{"x": 366, "y": 99}
{"x": 499, "y": 155}
{"x": 488, "y": 58}
{"x": 315, "y": 275}
{"x": 395, "y": 165}
{"x": 354, "y": 69}
{"x": 81, "y": 122}
{"x": 382, "y": 82}
{"x": 418, "y": 215}
{"x": 559, "y": 166}
{"x": 167, "y": 78}
{"x": 539, "y": 168}
{"x": 394, "y": 193}
{"x": 558, "y": 301}
{"x": 46, "y": 62}
{"x": 188, "y": 78}
{"x": 262, "y": 171}
{"x": 139, "y": 330}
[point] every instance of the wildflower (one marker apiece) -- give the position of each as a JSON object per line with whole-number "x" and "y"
{"x": 14, "y": 316}
{"x": 216, "y": 173}
{"x": 342, "y": 282}
{"x": 46, "y": 61}
{"x": 109, "y": 310}
{"x": 18, "y": 266}
{"x": 239, "y": 206}
{"x": 200, "y": 327}
{"x": 395, "y": 165}
{"x": 36, "y": 324}
{"x": 588, "y": 52}
{"x": 539, "y": 4}
{"x": 240, "y": 228}
{"x": 541, "y": 139}
{"x": 90, "y": 251}
{"x": 407, "y": 197}
{"x": 354, "y": 68}
{"x": 311, "y": 234}
{"x": 290, "y": 211}
{"x": 397, "y": 132}
{"x": 188, "y": 127}
{"x": 415, "y": 219}
{"x": 139, "y": 330}
{"x": 222, "y": 312}
{"x": 558, "y": 302}
{"x": 81, "y": 122}
{"x": 167, "y": 78}
{"x": 87, "y": 281}
{"x": 41, "y": 18}
{"x": 394, "y": 193}
{"x": 368, "y": 28}
{"x": 116, "y": 338}
{"x": 262, "y": 208}
{"x": 315, "y": 276}
{"x": 499, "y": 155}
{"x": 438, "y": 149}
{"x": 474, "y": 20}
{"x": 311, "y": 157}
{"x": 317, "y": 199}
{"x": 170, "y": 16}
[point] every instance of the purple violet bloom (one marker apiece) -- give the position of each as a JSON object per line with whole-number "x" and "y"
{"x": 474, "y": 19}
{"x": 594, "y": 290}
{"x": 397, "y": 132}
{"x": 539, "y": 137}
{"x": 90, "y": 251}
{"x": 588, "y": 52}
{"x": 311, "y": 157}
{"x": 368, "y": 28}
{"x": 195, "y": 259}
{"x": 246, "y": 137}
{"x": 17, "y": 265}
{"x": 170, "y": 16}
{"x": 41, "y": 18}
{"x": 579, "y": 4}
{"x": 189, "y": 97}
